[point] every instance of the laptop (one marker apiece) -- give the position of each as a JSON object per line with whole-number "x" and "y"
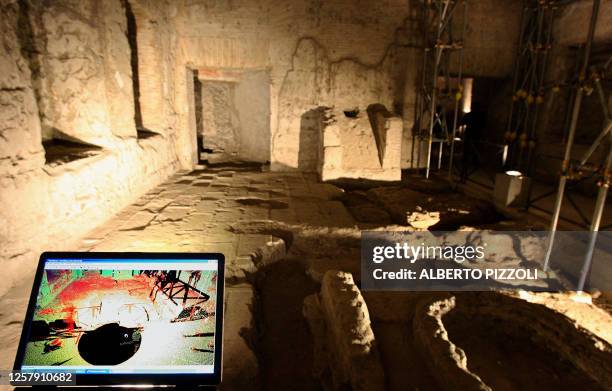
{"x": 124, "y": 319}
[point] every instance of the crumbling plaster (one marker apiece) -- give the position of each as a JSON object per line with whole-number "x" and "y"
{"x": 159, "y": 70}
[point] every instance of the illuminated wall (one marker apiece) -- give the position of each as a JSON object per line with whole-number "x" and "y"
{"x": 339, "y": 54}
{"x": 68, "y": 73}
{"x": 65, "y": 74}
{"x": 235, "y": 114}
{"x": 80, "y": 69}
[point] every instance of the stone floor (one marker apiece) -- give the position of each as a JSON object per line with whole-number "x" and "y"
{"x": 195, "y": 212}
{"x": 254, "y": 218}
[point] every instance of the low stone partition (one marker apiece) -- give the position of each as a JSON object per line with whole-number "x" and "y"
{"x": 442, "y": 356}
{"x": 345, "y": 348}
{"x": 359, "y": 144}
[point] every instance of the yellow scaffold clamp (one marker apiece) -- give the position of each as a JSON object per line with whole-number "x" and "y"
{"x": 571, "y": 173}
{"x": 539, "y": 99}
{"x": 564, "y": 167}
{"x": 509, "y": 136}
{"x": 606, "y": 180}
{"x": 459, "y": 93}
{"x": 585, "y": 85}
{"x": 532, "y": 144}
{"x": 523, "y": 139}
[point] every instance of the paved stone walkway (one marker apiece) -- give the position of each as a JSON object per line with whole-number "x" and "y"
{"x": 194, "y": 212}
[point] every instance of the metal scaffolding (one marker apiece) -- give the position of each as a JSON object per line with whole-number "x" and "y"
{"x": 571, "y": 170}
{"x": 528, "y": 83}
{"x": 530, "y": 166}
{"x": 441, "y": 80}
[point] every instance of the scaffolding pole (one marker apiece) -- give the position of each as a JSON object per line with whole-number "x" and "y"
{"x": 458, "y": 98}
{"x": 604, "y": 183}
{"x": 535, "y": 43}
{"x": 570, "y": 138}
{"x": 442, "y": 44}
{"x": 600, "y": 204}
{"x": 548, "y": 26}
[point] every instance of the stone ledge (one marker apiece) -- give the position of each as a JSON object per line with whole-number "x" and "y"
{"x": 442, "y": 356}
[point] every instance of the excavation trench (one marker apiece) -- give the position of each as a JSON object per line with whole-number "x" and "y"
{"x": 505, "y": 342}
{"x": 506, "y": 356}
{"x": 285, "y": 346}
{"x": 283, "y": 280}
{"x": 484, "y": 340}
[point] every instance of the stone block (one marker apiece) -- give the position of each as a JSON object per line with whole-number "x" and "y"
{"x": 510, "y": 190}
{"x": 362, "y": 147}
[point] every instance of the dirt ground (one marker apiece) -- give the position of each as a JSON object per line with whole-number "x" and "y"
{"x": 381, "y": 204}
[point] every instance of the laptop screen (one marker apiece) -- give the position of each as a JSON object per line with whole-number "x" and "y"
{"x": 129, "y": 315}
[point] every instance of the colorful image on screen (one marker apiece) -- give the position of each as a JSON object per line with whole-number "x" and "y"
{"x": 126, "y": 316}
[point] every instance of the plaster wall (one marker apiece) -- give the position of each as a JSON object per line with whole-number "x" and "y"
{"x": 236, "y": 117}
{"x": 80, "y": 71}
{"x": 572, "y": 24}
{"x": 219, "y": 119}
{"x": 340, "y": 54}
{"x": 65, "y": 73}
